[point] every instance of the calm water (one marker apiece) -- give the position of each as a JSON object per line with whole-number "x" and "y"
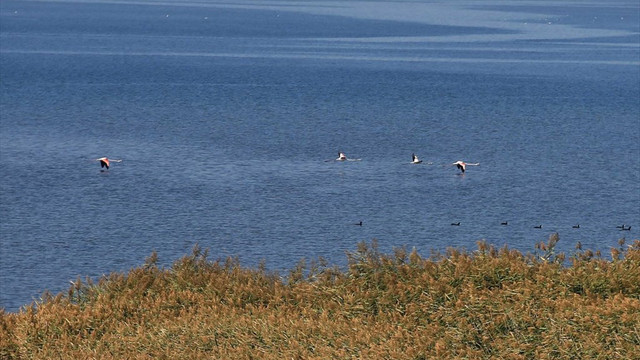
{"x": 225, "y": 112}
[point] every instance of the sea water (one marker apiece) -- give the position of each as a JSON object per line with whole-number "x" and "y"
{"x": 228, "y": 117}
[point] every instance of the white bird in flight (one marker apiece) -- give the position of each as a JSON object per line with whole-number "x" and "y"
{"x": 104, "y": 162}
{"x": 415, "y": 159}
{"x": 463, "y": 166}
{"x": 342, "y": 157}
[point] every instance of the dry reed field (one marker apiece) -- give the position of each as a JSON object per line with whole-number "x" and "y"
{"x": 484, "y": 304}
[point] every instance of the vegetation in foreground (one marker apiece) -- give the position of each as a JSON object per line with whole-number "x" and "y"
{"x": 489, "y": 303}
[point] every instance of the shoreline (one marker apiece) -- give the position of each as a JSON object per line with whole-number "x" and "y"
{"x": 490, "y": 302}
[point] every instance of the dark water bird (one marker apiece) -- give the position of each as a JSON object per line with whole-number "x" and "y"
{"x": 415, "y": 160}
{"x": 463, "y": 166}
{"x": 104, "y": 162}
{"x": 455, "y": 224}
{"x": 577, "y": 226}
{"x": 538, "y": 227}
{"x": 358, "y": 223}
{"x": 626, "y": 228}
{"x": 504, "y": 223}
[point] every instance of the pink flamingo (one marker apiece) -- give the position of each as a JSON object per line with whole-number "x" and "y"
{"x": 104, "y": 162}
{"x": 463, "y": 166}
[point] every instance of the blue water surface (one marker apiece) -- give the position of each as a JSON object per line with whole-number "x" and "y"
{"x": 227, "y": 117}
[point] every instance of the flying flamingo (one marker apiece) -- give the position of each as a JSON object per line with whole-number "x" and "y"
{"x": 342, "y": 157}
{"x": 104, "y": 162}
{"x": 415, "y": 159}
{"x": 463, "y": 166}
